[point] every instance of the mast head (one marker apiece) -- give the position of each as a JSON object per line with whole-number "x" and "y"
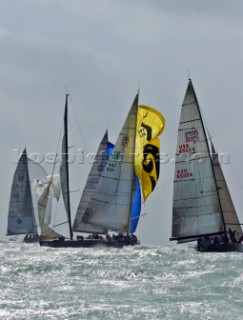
{"x": 189, "y": 75}
{"x": 67, "y": 95}
{"x": 190, "y": 87}
{"x": 135, "y": 102}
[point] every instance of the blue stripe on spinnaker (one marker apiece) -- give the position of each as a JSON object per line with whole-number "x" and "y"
{"x": 136, "y": 205}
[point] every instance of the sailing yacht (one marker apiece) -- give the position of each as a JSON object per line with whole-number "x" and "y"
{"x": 203, "y": 209}
{"x": 111, "y": 199}
{"x": 105, "y": 150}
{"x": 49, "y": 236}
{"x": 135, "y": 154}
{"x": 23, "y": 202}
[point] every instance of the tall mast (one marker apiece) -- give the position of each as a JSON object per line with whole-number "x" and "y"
{"x": 134, "y": 176}
{"x": 67, "y": 167}
{"x": 34, "y": 225}
{"x": 211, "y": 161}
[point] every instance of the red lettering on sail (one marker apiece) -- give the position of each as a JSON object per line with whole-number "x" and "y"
{"x": 183, "y": 173}
{"x": 185, "y": 148}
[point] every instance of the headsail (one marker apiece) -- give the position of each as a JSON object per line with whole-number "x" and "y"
{"x": 21, "y": 218}
{"x": 136, "y": 196}
{"x": 47, "y": 233}
{"x": 110, "y": 206}
{"x": 230, "y": 216}
{"x": 39, "y": 185}
{"x": 96, "y": 170}
{"x": 196, "y": 205}
{"x": 36, "y": 174}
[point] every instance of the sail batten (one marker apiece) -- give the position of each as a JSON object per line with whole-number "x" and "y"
{"x": 182, "y": 122}
{"x": 182, "y": 199}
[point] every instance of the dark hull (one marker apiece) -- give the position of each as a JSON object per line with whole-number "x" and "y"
{"x": 86, "y": 243}
{"x": 31, "y": 240}
{"x": 229, "y": 247}
{"x": 132, "y": 243}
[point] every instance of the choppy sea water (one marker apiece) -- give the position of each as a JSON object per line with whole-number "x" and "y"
{"x": 141, "y": 282}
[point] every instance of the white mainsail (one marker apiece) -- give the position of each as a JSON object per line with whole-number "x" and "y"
{"x": 196, "y": 205}
{"x": 96, "y": 170}
{"x": 23, "y": 204}
{"x": 110, "y": 205}
{"x": 21, "y": 218}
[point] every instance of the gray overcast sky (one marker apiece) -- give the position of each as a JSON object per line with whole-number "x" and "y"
{"x": 102, "y": 50}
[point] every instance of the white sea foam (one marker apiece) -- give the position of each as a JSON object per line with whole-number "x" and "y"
{"x": 142, "y": 282}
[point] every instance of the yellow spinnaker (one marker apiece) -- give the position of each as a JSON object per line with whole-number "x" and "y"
{"x": 150, "y": 124}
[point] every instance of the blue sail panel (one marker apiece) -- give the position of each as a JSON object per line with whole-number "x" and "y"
{"x": 110, "y": 148}
{"x": 136, "y": 205}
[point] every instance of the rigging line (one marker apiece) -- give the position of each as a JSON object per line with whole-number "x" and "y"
{"x": 56, "y": 160}
{"x": 60, "y": 224}
{"x": 221, "y": 147}
{"x": 138, "y": 216}
{"x": 54, "y": 215}
{"x": 208, "y": 149}
{"x": 188, "y": 74}
{"x": 143, "y": 219}
{"x": 145, "y": 209}
{"x": 78, "y": 125}
{"x": 52, "y": 173}
{"x": 236, "y": 176}
{"x": 206, "y": 122}
{"x": 74, "y": 141}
